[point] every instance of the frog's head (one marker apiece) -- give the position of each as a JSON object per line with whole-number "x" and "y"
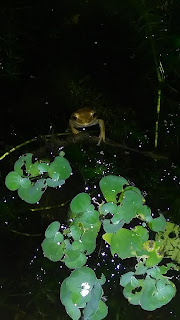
{"x": 84, "y": 117}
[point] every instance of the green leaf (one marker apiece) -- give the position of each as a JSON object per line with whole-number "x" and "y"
{"x": 93, "y": 304}
{"x": 111, "y": 186}
{"x": 80, "y": 203}
{"x": 13, "y": 181}
{"x": 30, "y": 195}
{"x": 33, "y": 169}
{"x": 52, "y": 250}
{"x": 58, "y": 238}
{"x": 110, "y": 227}
{"x": 54, "y": 183}
{"x": 158, "y": 224}
{"x": 153, "y": 252}
{"x": 52, "y": 229}
{"x": 126, "y": 278}
{"x": 61, "y": 166}
{"x": 144, "y": 213}
{"x": 127, "y": 210}
{"x": 101, "y": 313}
{"x": 170, "y": 241}
{"x": 78, "y": 280}
{"x": 90, "y": 217}
{"x": 43, "y": 167}
{"x": 108, "y": 207}
{"x": 125, "y": 243}
{"x": 25, "y": 183}
{"x": 77, "y": 263}
{"x": 75, "y": 232}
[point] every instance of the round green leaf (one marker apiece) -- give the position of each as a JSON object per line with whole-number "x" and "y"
{"x": 108, "y": 207}
{"x": 158, "y": 224}
{"x": 80, "y": 203}
{"x": 13, "y": 181}
{"x": 25, "y": 183}
{"x": 53, "y": 251}
{"x": 101, "y": 312}
{"x": 61, "y": 166}
{"x": 111, "y": 186}
{"x": 52, "y": 229}
{"x": 32, "y": 194}
{"x": 78, "y": 279}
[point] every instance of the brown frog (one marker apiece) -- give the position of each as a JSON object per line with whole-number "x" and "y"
{"x": 86, "y": 117}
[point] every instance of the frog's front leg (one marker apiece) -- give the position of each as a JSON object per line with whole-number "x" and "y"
{"x": 71, "y": 124}
{"x": 102, "y": 130}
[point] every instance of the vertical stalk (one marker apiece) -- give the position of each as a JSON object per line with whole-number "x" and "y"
{"x": 159, "y": 70}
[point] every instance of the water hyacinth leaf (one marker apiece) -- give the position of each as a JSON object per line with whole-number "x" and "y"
{"x": 165, "y": 291}
{"x": 132, "y": 295}
{"x": 75, "y": 232}
{"x": 58, "y": 238}
{"x": 111, "y": 186}
{"x": 65, "y": 295}
{"x": 108, "y": 237}
{"x": 78, "y": 300}
{"x": 140, "y": 268}
{"x": 155, "y": 273}
{"x": 71, "y": 254}
{"x": 158, "y": 224}
{"x": 66, "y": 299}
{"x": 102, "y": 280}
{"x": 61, "y": 166}
{"x": 80, "y": 203}
{"x": 142, "y": 232}
{"x": 21, "y": 161}
{"x": 13, "y": 181}
{"x": 77, "y": 245}
{"x": 170, "y": 241}
{"x": 101, "y": 312}
{"x": 153, "y": 252}
{"x": 110, "y": 227}
{"x": 43, "y": 167}
{"x": 78, "y": 278}
{"x": 33, "y": 169}
{"x": 25, "y": 183}
{"x": 30, "y": 195}
{"x": 77, "y": 263}
{"x": 134, "y": 282}
{"x": 135, "y": 189}
{"x": 93, "y": 304}
{"x": 108, "y": 207}
{"x": 126, "y": 278}
{"x": 127, "y": 210}
{"x": 72, "y": 310}
{"x": 90, "y": 217}
{"x": 53, "y": 251}
{"x": 89, "y": 244}
{"x": 28, "y": 160}
{"x": 152, "y": 298}
{"x": 125, "y": 243}
{"x": 144, "y": 213}
{"x": 55, "y": 176}
{"x": 54, "y": 183}
{"x": 52, "y": 229}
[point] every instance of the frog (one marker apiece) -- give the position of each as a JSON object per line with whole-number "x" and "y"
{"x": 86, "y": 117}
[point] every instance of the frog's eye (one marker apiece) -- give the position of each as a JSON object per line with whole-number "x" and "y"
{"x": 93, "y": 114}
{"x": 74, "y": 117}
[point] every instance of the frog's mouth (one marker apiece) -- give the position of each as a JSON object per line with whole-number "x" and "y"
{"x": 81, "y": 124}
